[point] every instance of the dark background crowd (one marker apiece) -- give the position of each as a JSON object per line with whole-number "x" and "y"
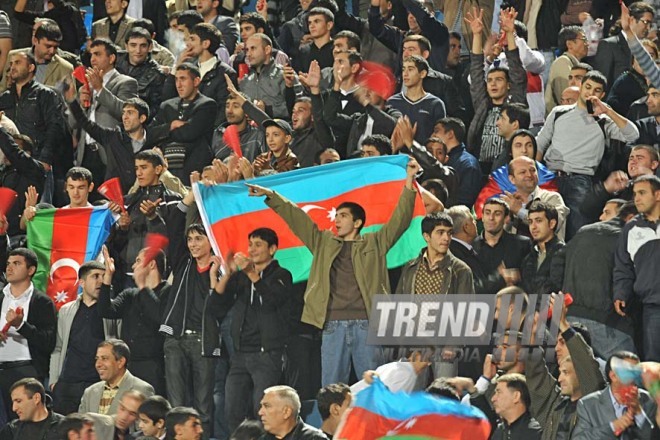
{"x": 532, "y": 128}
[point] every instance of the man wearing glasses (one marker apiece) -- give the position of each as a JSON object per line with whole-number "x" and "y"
{"x": 573, "y": 42}
{"x": 613, "y": 55}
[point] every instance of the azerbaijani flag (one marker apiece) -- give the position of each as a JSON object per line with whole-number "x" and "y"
{"x": 63, "y": 240}
{"x": 380, "y": 413}
{"x": 498, "y": 182}
{"x": 229, "y": 214}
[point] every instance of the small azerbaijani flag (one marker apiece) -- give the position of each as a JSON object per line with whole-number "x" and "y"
{"x": 379, "y": 413}
{"x": 63, "y": 240}
{"x": 229, "y": 215}
{"x": 498, "y": 182}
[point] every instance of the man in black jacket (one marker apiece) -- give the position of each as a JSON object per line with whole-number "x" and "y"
{"x": 259, "y": 326}
{"x": 184, "y": 125}
{"x": 280, "y": 415}
{"x": 542, "y": 269}
{"x": 37, "y": 111}
{"x": 35, "y": 421}
{"x": 137, "y": 63}
{"x": 511, "y": 402}
{"x": 121, "y": 142}
{"x": 191, "y": 324}
{"x": 251, "y": 138}
{"x": 140, "y": 310}
{"x": 26, "y": 347}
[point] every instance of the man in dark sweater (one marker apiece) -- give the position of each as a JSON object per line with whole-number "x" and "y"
{"x": 140, "y": 309}
{"x": 191, "y": 325}
{"x": 259, "y": 326}
{"x": 423, "y": 109}
{"x": 35, "y": 420}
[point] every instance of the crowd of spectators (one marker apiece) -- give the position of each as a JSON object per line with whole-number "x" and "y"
{"x": 533, "y": 133}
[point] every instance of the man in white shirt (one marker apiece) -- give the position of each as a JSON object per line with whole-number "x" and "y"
{"x": 29, "y": 317}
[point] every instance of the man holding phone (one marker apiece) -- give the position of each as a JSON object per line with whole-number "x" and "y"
{"x": 573, "y": 142}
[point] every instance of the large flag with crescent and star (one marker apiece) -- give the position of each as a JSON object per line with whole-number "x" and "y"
{"x": 378, "y": 413}
{"x": 63, "y": 240}
{"x": 229, "y": 215}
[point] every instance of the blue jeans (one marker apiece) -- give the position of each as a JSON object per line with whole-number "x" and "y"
{"x": 651, "y": 332}
{"x": 345, "y": 342}
{"x": 574, "y": 189}
{"x": 549, "y": 59}
{"x": 605, "y": 340}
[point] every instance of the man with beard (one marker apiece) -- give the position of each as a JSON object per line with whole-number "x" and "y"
{"x": 647, "y": 132}
{"x": 80, "y": 329}
{"x": 251, "y": 138}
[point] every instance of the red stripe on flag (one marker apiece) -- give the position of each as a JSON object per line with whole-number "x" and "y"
{"x": 360, "y": 423}
{"x": 69, "y": 244}
{"x": 378, "y": 201}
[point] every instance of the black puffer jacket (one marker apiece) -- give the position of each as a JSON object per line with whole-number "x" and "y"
{"x": 149, "y": 77}
{"x": 550, "y": 276}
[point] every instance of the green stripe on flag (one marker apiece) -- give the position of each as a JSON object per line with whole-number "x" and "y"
{"x": 405, "y": 249}
{"x": 40, "y": 240}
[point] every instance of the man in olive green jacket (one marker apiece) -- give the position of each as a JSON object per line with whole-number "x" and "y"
{"x": 347, "y": 271}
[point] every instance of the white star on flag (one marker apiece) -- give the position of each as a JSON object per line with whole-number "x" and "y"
{"x": 332, "y": 214}
{"x": 61, "y": 297}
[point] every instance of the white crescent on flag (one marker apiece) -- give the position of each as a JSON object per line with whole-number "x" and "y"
{"x": 64, "y": 262}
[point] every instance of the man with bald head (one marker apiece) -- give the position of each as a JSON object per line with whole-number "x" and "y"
{"x": 570, "y": 95}
{"x": 523, "y": 174}
{"x": 265, "y": 78}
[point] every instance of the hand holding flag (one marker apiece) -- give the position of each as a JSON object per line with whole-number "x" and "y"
{"x": 14, "y": 319}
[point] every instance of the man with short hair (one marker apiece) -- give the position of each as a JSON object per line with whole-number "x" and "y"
{"x": 333, "y": 401}
{"x": 226, "y": 25}
{"x": 183, "y": 423}
{"x": 77, "y": 426}
{"x": 613, "y": 56}
{"x": 112, "y": 356}
{"x": 184, "y": 125}
{"x": 490, "y": 91}
{"x": 339, "y": 295}
{"x": 511, "y": 402}
{"x": 120, "y": 142}
{"x": 137, "y": 63}
{"x": 202, "y": 44}
{"x": 577, "y": 74}
{"x": 30, "y": 317}
{"x": 252, "y": 23}
{"x": 116, "y": 25}
{"x": 634, "y": 273}
{"x": 423, "y": 109}
{"x": 542, "y": 270}
{"x": 104, "y": 100}
{"x": 78, "y": 184}
{"x": 495, "y": 246}
{"x": 618, "y": 411}
{"x": 524, "y": 175}
{"x": 591, "y": 251}
{"x": 51, "y": 68}
{"x": 140, "y": 310}
{"x": 259, "y": 328}
{"x": 152, "y": 414}
{"x": 264, "y": 80}
{"x": 320, "y": 24}
{"x": 35, "y": 420}
{"x": 37, "y": 111}
{"x": 80, "y": 329}
{"x": 436, "y": 270}
{"x": 575, "y": 46}
{"x": 451, "y": 131}
{"x": 280, "y": 415}
{"x": 376, "y": 145}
